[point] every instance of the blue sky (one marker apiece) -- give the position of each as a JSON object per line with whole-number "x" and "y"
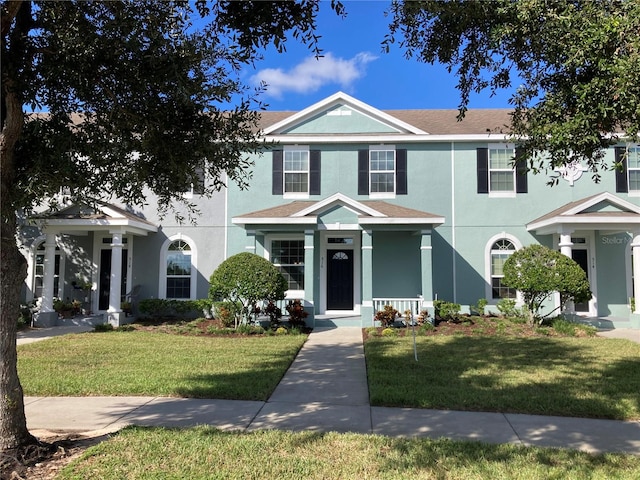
{"x": 355, "y": 64}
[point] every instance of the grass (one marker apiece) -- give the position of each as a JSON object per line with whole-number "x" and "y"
{"x": 145, "y": 363}
{"x": 209, "y": 453}
{"x": 583, "y": 377}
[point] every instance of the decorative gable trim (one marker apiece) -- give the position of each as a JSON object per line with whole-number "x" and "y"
{"x": 338, "y": 199}
{"x": 579, "y": 215}
{"x": 341, "y": 98}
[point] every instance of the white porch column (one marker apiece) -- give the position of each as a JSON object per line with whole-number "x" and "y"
{"x": 426, "y": 267}
{"x": 48, "y": 277}
{"x": 309, "y": 273}
{"x": 635, "y": 246}
{"x": 565, "y": 245}
{"x": 366, "y": 310}
{"x": 115, "y": 286}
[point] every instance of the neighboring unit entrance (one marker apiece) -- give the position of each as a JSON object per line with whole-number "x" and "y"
{"x": 340, "y": 280}
{"x": 105, "y": 277}
{"x": 581, "y": 257}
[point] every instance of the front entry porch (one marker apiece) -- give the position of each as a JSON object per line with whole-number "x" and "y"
{"x": 98, "y": 264}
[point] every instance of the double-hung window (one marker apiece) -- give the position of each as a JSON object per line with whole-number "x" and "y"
{"x": 500, "y": 172}
{"x": 288, "y": 256}
{"x": 382, "y": 171}
{"x": 633, "y": 166}
{"x": 296, "y": 170}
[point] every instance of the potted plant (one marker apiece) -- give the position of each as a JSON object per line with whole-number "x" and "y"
{"x": 126, "y": 307}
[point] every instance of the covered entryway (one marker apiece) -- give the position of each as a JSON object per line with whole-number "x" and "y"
{"x": 113, "y": 229}
{"x": 331, "y": 249}
{"x": 599, "y": 233}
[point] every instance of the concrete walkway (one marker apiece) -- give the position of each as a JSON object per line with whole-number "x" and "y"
{"x": 325, "y": 389}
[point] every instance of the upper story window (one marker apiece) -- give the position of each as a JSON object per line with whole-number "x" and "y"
{"x": 499, "y": 171}
{"x": 633, "y": 163}
{"x": 288, "y": 256}
{"x": 296, "y": 171}
{"x": 382, "y": 171}
{"x": 197, "y": 187}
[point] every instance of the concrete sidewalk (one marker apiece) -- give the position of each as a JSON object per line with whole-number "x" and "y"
{"x": 325, "y": 389}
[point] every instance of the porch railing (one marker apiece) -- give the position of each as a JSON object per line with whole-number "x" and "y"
{"x": 400, "y": 304}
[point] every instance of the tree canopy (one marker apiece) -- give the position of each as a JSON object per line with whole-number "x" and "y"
{"x": 538, "y": 272}
{"x": 572, "y": 64}
{"x": 127, "y": 97}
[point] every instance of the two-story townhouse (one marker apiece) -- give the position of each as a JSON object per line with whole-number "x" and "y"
{"x": 360, "y": 207}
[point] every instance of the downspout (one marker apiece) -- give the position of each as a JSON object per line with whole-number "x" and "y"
{"x": 453, "y": 222}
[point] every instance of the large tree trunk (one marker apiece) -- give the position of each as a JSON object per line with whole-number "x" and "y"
{"x": 13, "y": 271}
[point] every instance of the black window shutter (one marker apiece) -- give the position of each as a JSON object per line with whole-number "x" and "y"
{"x": 277, "y": 188}
{"x": 622, "y": 186}
{"x": 482, "y": 155}
{"x": 521, "y": 174}
{"x": 363, "y": 172}
{"x": 401, "y": 172}
{"x": 314, "y": 172}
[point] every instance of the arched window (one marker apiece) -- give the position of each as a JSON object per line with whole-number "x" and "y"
{"x": 501, "y": 250}
{"x": 178, "y": 269}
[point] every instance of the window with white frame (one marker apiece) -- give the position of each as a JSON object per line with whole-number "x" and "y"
{"x": 296, "y": 170}
{"x": 633, "y": 167}
{"x": 501, "y": 171}
{"x": 178, "y": 270}
{"x": 501, "y": 250}
{"x": 38, "y": 272}
{"x": 288, "y": 256}
{"x": 382, "y": 170}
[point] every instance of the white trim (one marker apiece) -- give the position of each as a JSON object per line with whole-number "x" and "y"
{"x": 338, "y": 198}
{"x": 453, "y": 224}
{"x": 285, "y": 139}
{"x": 347, "y": 100}
{"x": 487, "y": 263}
{"x": 311, "y": 220}
{"x": 268, "y": 242}
{"x": 31, "y": 263}
{"x": 357, "y": 248}
{"x": 590, "y": 247}
{"x": 162, "y": 277}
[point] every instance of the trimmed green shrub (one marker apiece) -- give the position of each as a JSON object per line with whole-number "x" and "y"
{"x": 446, "y": 310}
{"x": 247, "y": 278}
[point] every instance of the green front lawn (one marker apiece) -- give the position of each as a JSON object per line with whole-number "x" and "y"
{"x": 208, "y": 453}
{"x": 156, "y": 364}
{"x": 583, "y": 377}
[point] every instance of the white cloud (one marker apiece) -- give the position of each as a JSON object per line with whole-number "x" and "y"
{"x": 314, "y": 73}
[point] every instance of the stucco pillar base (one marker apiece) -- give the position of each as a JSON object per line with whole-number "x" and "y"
{"x": 366, "y": 314}
{"x": 634, "y": 318}
{"x": 118, "y": 319}
{"x": 45, "y": 319}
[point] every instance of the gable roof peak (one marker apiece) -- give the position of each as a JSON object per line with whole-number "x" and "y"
{"x": 341, "y": 98}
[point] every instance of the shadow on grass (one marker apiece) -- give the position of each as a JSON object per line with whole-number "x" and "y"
{"x": 566, "y": 377}
{"x": 322, "y": 453}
